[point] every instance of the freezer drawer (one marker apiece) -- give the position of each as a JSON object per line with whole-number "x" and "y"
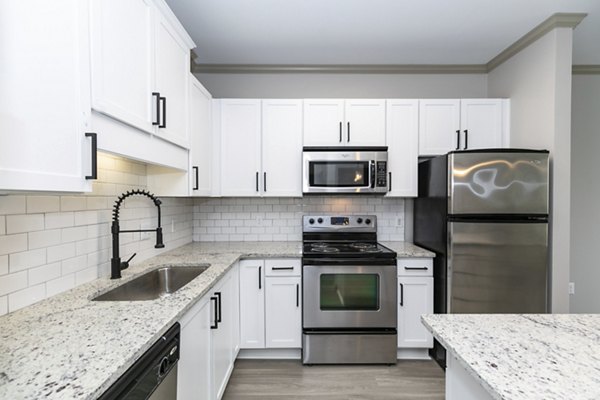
{"x": 497, "y": 267}
{"x": 498, "y": 183}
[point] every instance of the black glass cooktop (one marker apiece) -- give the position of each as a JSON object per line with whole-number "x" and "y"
{"x": 347, "y": 249}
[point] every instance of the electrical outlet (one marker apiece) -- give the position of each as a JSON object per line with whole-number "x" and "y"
{"x": 398, "y": 221}
{"x": 145, "y": 235}
{"x": 571, "y": 287}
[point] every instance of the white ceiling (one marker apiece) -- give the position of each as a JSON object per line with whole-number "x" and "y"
{"x": 373, "y": 31}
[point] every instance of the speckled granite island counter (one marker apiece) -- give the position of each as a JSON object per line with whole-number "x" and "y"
{"x": 69, "y": 347}
{"x": 520, "y": 357}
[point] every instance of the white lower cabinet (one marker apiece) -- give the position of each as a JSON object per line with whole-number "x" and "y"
{"x": 283, "y": 310}
{"x": 415, "y": 298}
{"x": 270, "y": 304}
{"x": 209, "y": 342}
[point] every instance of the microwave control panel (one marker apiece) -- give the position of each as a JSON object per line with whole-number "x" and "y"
{"x": 382, "y": 174}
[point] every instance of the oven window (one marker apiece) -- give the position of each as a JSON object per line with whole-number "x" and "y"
{"x": 338, "y": 173}
{"x": 349, "y": 292}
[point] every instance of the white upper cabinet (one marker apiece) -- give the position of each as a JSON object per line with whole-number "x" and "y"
{"x": 172, "y": 62}
{"x": 482, "y": 123}
{"x": 44, "y": 108}
{"x": 451, "y": 124}
{"x": 439, "y": 126}
{"x": 365, "y": 122}
{"x": 122, "y": 51}
{"x": 337, "y": 122}
{"x": 201, "y": 139}
{"x": 281, "y": 148}
{"x": 403, "y": 146}
{"x": 240, "y": 128}
{"x": 140, "y": 66}
{"x": 323, "y": 122}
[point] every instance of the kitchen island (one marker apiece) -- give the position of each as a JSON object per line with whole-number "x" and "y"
{"x": 70, "y": 347}
{"x": 519, "y": 356}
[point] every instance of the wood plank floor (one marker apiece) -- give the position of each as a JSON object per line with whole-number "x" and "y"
{"x": 290, "y": 380}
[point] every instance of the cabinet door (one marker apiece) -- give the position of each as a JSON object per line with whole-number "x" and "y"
{"x": 415, "y": 297}
{"x": 282, "y": 148}
{"x": 439, "y": 126}
{"x": 252, "y": 304}
{"x": 403, "y": 147}
{"x": 44, "y": 110}
{"x": 481, "y": 123}
{"x": 240, "y": 147}
{"x": 201, "y": 139}
{"x": 283, "y": 312}
{"x": 323, "y": 122}
{"x": 194, "y": 367}
{"x": 172, "y": 63}
{"x": 122, "y": 60}
{"x": 365, "y": 122}
{"x": 222, "y": 356}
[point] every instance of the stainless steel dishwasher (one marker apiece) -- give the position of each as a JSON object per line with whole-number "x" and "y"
{"x": 154, "y": 375}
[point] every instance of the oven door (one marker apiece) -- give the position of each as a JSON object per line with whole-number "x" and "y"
{"x": 349, "y": 296}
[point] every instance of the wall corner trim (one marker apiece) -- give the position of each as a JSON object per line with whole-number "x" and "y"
{"x": 340, "y": 68}
{"x": 586, "y": 69}
{"x": 558, "y": 20}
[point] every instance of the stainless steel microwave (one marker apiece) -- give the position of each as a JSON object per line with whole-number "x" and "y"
{"x": 331, "y": 170}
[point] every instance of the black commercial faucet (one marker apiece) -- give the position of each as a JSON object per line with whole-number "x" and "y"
{"x": 116, "y": 265}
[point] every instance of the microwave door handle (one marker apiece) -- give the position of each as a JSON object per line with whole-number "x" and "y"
{"x": 372, "y": 175}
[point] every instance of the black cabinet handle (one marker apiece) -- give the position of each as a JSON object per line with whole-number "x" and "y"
{"x": 195, "y": 168}
{"x": 257, "y": 181}
{"x": 265, "y": 181}
{"x": 466, "y": 138}
{"x": 282, "y": 268}
{"x": 260, "y": 277}
{"x": 157, "y": 95}
{"x": 297, "y": 295}
{"x": 216, "y": 325}
{"x": 402, "y": 295}
{"x": 372, "y": 176}
{"x": 94, "y": 138}
{"x": 458, "y": 139}
{"x": 348, "y": 132}
{"x": 390, "y": 178}
{"x": 164, "y": 112}
{"x": 218, "y": 294}
{"x": 416, "y": 268}
{"x": 340, "y": 131}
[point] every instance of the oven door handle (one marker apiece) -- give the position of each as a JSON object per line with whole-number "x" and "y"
{"x": 372, "y": 175}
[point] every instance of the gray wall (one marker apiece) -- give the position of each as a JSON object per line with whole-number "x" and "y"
{"x": 538, "y": 82}
{"x": 585, "y": 192}
{"x": 345, "y": 85}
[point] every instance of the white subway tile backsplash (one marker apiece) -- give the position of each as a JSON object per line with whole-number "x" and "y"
{"x": 2, "y": 225}
{"x": 26, "y": 259}
{"x": 59, "y": 220}
{"x": 73, "y": 234}
{"x": 3, "y": 305}
{"x": 44, "y": 273}
{"x": 13, "y": 282}
{"x": 26, "y": 297}
{"x": 72, "y": 203}
{"x": 44, "y": 238}
{"x": 60, "y": 285}
{"x": 24, "y": 223}
{"x": 13, "y": 205}
{"x": 3, "y": 265}
{"x": 73, "y": 265}
{"x": 13, "y": 243}
{"x": 60, "y": 252}
{"x": 86, "y": 275}
{"x": 42, "y": 204}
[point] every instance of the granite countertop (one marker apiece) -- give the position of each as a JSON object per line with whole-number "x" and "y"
{"x": 69, "y": 347}
{"x": 407, "y": 249}
{"x": 528, "y": 356}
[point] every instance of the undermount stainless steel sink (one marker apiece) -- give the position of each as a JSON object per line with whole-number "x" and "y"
{"x": 154, "y": 284}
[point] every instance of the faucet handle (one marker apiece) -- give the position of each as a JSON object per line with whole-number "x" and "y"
{"x": 125, "y": 264}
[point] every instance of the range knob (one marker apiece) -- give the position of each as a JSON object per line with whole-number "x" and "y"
{"x": 311, "y": 221}
{"x": 320, "y": 220}
{"x": 359, "y": 220}
{"x": 367, "y": 221}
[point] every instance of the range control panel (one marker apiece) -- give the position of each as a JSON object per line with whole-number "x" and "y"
{"x": 339, "y": 223}
{"x": 381, "y": 173}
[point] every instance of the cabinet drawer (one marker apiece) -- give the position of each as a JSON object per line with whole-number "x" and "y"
{"x": 415, "y": 267}
{"x": 282, "y": 267}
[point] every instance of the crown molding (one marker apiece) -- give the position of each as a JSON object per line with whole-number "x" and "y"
{"x": 586, "y": 69}
{"x": 558, "y": 20}
{"x": 340, "y": 69}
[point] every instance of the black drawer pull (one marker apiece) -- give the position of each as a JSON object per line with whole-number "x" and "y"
{"x": 218, "y": 294}
{"x": 216, "y": 325}
{"x": 260, "y": 277}
{"x": 297, "y": 295}
{"x": 416, "y": 268}
{"x": 282, "y": 268}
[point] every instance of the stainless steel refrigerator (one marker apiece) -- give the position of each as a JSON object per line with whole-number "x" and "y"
{"x": 485, "y": 215}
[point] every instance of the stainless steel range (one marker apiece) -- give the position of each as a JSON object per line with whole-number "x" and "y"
{"x": 349, "y": 291}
